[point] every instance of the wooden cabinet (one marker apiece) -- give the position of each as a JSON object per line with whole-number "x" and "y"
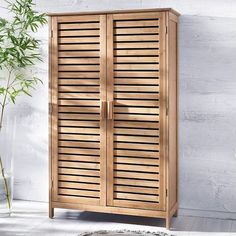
{"x": 113, "y": 112}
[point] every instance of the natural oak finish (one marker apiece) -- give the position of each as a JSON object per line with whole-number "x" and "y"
{"x": 113, "y": 112}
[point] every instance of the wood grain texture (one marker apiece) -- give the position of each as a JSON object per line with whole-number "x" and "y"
{"x": 136, "y": 102}
{"x": 172, "y": 118}
{"x": 103, "y": 120}
{"x": 110, "y": 122}
{"x": 79, "y": 85}
{"x": 54, "y": 107}
{"x": 90, "y": 13}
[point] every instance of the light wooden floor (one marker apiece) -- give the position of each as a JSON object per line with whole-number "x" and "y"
{"x": 30, "y": 218}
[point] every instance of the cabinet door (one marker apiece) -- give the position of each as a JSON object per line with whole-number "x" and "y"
{"x": 136, "y": 110}
{"x": 78, "y": 95}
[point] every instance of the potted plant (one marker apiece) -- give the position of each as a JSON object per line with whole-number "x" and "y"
{"x": 19, "y": 51}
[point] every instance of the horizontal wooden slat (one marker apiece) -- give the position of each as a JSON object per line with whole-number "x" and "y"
{"x": 135, "y": 139}
{"x": 79, "y": 109}
{"x": 83, "y": 135}
{"x": 135, "y": 59}
{"x": 78, "y": 116}
{"x": 151, "y": 74}
{"x": 78, "y": 68}
{"x": 79, "y": 54}
{"x": 79, "y": 151}
{"x": 136, "y": 175}
{"x": 120, "y": 31}
{"x": 78, "y": 158}
{"x": 79, "y": 178}
{"x": 82, "y": 89}
{"x": 141, "y": 139}
{"x": 79, "y": 95}
{"x": 120, "y": 137}
{"x": 137, "y": 16}
{"x": 151, "y": 132}
{"x": 145, "y": 52}
{"x": 138, "y": 197}
{"x": 79, "y": 82}
{"x": 142, "y": 23}
{"x": 136, "y": 168}
{"x": 86, "y": 61}
{"x": 79, "y": 144}
{"x": 131, "y": 103}
{"x": 136, "y": 153}
{"x": 79, "y": 137}
{"x": 87, "y": 201}
{"x": 79, "y": 18}
{"x": 136, "y": 117}
{"x": 131, "y": 189}
{"x": 140, "y": 110}
{"x": 88, "y": 25}
{"x": 133, "y": 160}
{"x": 136, "y": 67}
{"x": 133, "y": 124}
{"x": 78, "y": 192}
{"x": 136, "y": 38}
{"x": 79, "y": 40}
{"x": 78, "y": 185}
{"x": 134, "y": 81}
{"x": 67, "y": 33}
{"x": 78, "y": 74}
{"x": 136, "y": 204}
{"x": 136, "y": 96}
{"x": 78, "y": 47}
{"x": 79, "y": 130}
{"x": 77, "y": 102}
{"x": 85, "y": 172}
{"x": 79, "y": 165}
{"x": 78, "y": 123}
{"x": 136, "y": 182}
{"x": 139, "y": 45}
{"x": 136, "y": 146}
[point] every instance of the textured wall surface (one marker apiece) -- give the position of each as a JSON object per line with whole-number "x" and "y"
{"x": 207, "y": 75}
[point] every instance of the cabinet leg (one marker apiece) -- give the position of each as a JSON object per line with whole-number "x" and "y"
{"x": 51, "y": 212}
{"x": 168, "y": 222}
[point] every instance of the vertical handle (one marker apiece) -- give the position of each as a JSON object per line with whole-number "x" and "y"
{"x": 110, "y": 110}
{"x": 103, "y": 110}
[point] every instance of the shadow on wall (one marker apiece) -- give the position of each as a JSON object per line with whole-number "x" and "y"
{"x": 207, "y": 95}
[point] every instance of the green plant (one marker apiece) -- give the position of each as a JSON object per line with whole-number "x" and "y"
{"x": 19, "y": 50}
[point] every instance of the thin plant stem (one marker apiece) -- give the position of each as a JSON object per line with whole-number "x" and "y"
{"x": 5, "y": 185}
{"x": 3, "y": 105}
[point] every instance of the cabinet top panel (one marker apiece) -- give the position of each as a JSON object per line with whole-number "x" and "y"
{"x": 115, "y": 12}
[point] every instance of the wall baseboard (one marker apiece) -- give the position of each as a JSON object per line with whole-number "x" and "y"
{"x": 208, "y": 214}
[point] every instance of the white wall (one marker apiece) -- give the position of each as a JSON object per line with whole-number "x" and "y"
{"x": 207, "y": 75}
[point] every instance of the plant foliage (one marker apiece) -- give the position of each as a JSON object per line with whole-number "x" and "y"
{"x": 18, "y": 51}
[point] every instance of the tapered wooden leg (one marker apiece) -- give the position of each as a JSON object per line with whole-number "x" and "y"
{"x": 168, "y": 222}
{"x": 51, "y": 212}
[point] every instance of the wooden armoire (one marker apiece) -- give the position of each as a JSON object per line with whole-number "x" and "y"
{"x": 113, "y": 112}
